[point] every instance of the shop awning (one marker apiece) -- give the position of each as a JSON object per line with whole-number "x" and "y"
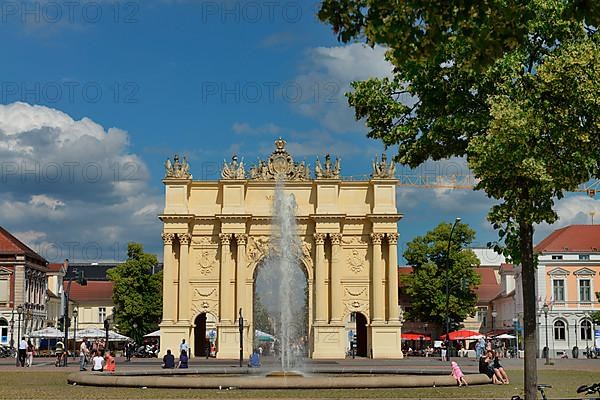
{"x": 462, "y": 334}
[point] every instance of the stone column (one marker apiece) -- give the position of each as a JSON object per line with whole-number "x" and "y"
{"x": 336, "y": 274}
{"x": 169, "y": 295}
{"x": 378, "y": 294}
{"x": 226, "y": 297}
{"x": 184, "y": 277}
{"x": 240, "y": 277}
{"x": 321, "y": 295}
{"x": 392, "y": 280}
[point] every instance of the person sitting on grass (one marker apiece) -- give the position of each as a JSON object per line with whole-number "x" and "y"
{"x": 497, "y": 367}
{"x": 486, "y": 368}
{"x": 168, "y": 360}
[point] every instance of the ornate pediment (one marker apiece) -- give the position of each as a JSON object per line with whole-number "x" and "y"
{"x": 559, "y": 272}
{"x": 280, "y": 165}
{"x": 585, "y": 272}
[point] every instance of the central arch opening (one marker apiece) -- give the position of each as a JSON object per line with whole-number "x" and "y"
{"x": 281, "y": 328}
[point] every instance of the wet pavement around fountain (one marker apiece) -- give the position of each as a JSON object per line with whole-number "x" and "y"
{"x": 468, "y": 365}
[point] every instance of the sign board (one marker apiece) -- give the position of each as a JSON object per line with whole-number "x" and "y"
{"x": 597, "y": 338}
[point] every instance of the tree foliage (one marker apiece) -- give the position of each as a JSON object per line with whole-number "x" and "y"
{"x": 510, "y": 84}
{"x": 137, "y": 293}
{"x": 426, "y": 285}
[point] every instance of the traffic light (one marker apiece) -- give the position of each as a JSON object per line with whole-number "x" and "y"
{"x": 61, "y": 324}
{"x": 68, "y": 323}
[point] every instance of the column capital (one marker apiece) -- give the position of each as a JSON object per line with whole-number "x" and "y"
{"x": 336, "y": 238}
{"x": 168, "y": 238}
{"x": 392, "y": 238}
{"x": 319, "y": 238}
{"x": 225, "y": 238}
{"x": 376, "y": 238}
{"x": 184, "y": 238}
{"x": 241, "y": 238}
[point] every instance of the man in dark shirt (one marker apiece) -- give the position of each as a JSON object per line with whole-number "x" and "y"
{"x": 169, "y": 360}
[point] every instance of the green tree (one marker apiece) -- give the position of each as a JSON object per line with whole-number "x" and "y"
{"x": 511, "y": 85}
{"x": 426, "y": 285}
{"x": 262, "y": 321}
{"x": 137, "y": 293}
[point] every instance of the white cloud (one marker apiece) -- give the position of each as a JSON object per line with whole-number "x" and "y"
{"x": 325, "y": 77}
{"x": 573, "y": 209}
{"x": 72, "y": 187}
{"x": 244, "y": 128}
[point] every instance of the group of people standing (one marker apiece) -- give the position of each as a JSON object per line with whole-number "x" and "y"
{"x": 101, "y": 360}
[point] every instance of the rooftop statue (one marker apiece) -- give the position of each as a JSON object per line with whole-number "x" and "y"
{"x": 280, "y": 165}
{"x": 177, "y": 169}
{"x": 233, "y": 170}
{"x": 382, "y": 169}
{"x": 330, "y": 171}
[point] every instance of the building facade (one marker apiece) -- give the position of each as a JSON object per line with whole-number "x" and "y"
{"x": 22, "y": 289}
{"x": 568, "y": 277}
{"x": 218, "y": 234}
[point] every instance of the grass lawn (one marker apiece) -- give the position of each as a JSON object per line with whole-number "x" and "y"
{"x": 52, "y": 385}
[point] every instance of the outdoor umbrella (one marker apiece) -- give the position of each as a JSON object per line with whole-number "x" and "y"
{"x": 153, "y": 334}
{"x": 414, "y": 336}
{"x": 463, "y": 334}
{"x": 263, "y": 336}
{"x": 505, "y": 336}
{"x": 47, "y": 333}
{"x": 101, "y": 333}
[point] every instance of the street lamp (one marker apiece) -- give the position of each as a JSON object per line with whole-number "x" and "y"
{"x": 587, "y": 346}
{"x": 545, "y": 311}
{"x": 456, "y": 221}
{"x": 135, "y": 326}
{"x": 75, "y": 313}
{"x": 19, "y": 311}
{"x": 106, "y": 327}
{"x": 12, "y": 329}
{"x": 575, "y": 351}
{"x": 241, "y": 322}
{"x": 494, "y": 315}
{"x": 516, "y": 326}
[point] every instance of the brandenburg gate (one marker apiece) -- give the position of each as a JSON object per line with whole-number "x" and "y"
{"x": 216, "y": 234}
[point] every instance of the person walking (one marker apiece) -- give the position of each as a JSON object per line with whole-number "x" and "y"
{"x": 30, "y": 351}
{"x": 22, "y": 351}
{"x": 458, "y": 374}
{"x": 83, "y": 353}
{"x": 60, "y": 349}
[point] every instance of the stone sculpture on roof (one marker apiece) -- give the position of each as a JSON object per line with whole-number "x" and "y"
{"x": 177, "y": 169}
{"x": 280, "y": 165}
{"x": 233, "y": 170}
{"x": 329, "y": 171}
{"x": 382, "y": 169}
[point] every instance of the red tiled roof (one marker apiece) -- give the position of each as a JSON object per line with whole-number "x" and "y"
{"x": 507, "y": 267}
{"x": 572, "y": 238}
{"x": 11, "y": 245}
{"x": 55, "y": 267}
{"x": 94, "y": 291}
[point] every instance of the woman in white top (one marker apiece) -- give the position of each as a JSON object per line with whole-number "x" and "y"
{"x": 98, "y": 362}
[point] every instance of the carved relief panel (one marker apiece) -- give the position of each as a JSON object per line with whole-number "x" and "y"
{"x": 204, "y": 261}
{"x": 205, "y": 299}
{"x": 356, "y": 299}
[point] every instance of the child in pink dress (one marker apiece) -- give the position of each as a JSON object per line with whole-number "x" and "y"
{"x": 458, "y": 374}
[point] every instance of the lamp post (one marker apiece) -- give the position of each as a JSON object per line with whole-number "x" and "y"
{"x": 19, "y": 312}
{"x": 241, "y": 322}
{"x": 545, "y": 311}
{"x": 135, "y": 326}
{"x": 106, "y": 327}
{"x": 587, "y": 346}
{"x": 12, "y": 329}
{"x": 575, "y": 351}
{"x": 494, "y": 315}
{"x": 456, "y": 221}
{"x": 75, "y": 313}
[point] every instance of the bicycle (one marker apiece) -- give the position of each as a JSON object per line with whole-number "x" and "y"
{"x": 588, "y": 390}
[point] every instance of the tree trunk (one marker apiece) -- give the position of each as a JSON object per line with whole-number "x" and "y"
{"x": 529, "y": 308}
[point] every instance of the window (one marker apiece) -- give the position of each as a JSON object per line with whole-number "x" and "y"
{"x": 557, "y": 257}
{"x": 559, "y": 330}
{"x": 558, "y": 289}
{"x": 101, "y": 314}
{"x": 584, "y": 257}
{"x": 4, "y": 290}
{"x": 481, "y": 313}
{"x": 3, "y": 331}
{"x": 586, "y": 330}
{"x": 585, "y": 291}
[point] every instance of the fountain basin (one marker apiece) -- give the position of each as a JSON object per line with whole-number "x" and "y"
{"x": 203, "y": 379}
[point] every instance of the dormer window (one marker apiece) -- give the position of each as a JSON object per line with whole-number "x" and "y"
{"x": 557, "y": 257}
{"x": 584, "y": 257}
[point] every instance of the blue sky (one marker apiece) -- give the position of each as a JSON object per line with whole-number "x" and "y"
{"x": 116, "y": 87}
